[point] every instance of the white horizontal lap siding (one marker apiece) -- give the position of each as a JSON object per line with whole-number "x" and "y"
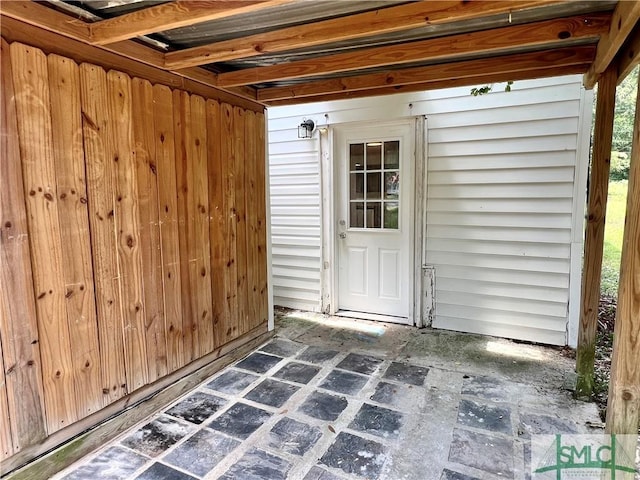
{"x": 501, "y": 218}
{"x": 501, "y": 172}
{"x": 294, "y": 182}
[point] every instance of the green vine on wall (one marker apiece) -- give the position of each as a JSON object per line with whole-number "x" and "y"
{"x": 487, "y": 88}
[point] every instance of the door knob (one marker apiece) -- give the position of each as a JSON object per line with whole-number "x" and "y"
{"x": 342, "y": 235}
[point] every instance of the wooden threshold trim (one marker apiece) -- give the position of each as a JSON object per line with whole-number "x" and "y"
{"x": 91, "y": 432}
{"x": 629, "y": 56}
{"x": 509, "y": 64}
{"x": 172, "y": 15}
{"x": 16, "y": 31}
{"x": 384, "y": 20}
{"x": 625, "y": 16}
{"x": 454, "y": 82}
{"x": 489, "y": 41}
{"x": 60, "y": 24}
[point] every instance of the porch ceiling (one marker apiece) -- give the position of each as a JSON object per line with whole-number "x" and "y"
{"x": 292, "y": 51}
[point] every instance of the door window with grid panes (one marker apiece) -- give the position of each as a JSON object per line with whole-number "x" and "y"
{"x": 374, "y": 185}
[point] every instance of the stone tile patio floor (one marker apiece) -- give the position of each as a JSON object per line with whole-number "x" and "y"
{"x": 330, "y": 398}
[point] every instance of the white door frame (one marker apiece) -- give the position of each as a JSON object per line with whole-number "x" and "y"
{"x": 329, "y": 207}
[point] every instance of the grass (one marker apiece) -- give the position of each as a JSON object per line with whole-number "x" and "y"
{"x": 613, "y": 232}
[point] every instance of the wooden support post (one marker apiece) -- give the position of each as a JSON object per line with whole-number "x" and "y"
{"x": 623, "y": 406}
{"x": 594, "y": 236}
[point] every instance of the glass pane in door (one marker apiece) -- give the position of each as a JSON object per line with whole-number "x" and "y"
{"x": 374, "y": 184}
{"x": 374, "y": 155}
{"x": 392, "y": 155}
{"x": 356, "y": 215}
{"x": 356, "y": 157}
{"x": 391, "y": 185}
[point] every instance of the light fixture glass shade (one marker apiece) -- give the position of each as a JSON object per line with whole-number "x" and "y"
{"x": 305, "y": 129}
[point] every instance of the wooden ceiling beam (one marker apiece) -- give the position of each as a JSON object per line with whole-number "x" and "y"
{"x": 629, "y": 55}
{"x": 625, "y": 16}
{"x": 59, "y": 23}
{"x": 454, "y": 82}
{"x": 537, "y": 34}
{"x": 171, "y": 15}
{"x": 46, "y": 18}
{"x": 384, "y": 20}
{"x": 14, "y": 30}
{"x": 509, "y": 64}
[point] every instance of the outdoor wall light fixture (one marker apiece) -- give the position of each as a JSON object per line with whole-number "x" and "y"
{"x": 305, "y": 129}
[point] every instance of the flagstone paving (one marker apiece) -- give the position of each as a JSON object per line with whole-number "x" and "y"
{"x": 326, "y": 401}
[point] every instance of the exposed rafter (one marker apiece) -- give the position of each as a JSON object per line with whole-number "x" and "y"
{"x": 486, "y": 42}
{"x": 46, "y": 18}
{"x": 625, "y": 17}
{"x": 50, "y": 42}
{"x": 167, "y": 16}
{"x": 391, "y": 19}
{"x": 509, "y": 64}
{"x": 455, "y": 82}
{"x": 50, "y": 20}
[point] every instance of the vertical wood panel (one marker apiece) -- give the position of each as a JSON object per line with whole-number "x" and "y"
{"x": 19, "y": 339}
{"x": 261, "y": 193}
{"x": 134, "y": 212}
{"x": 147, "y": 188}
{"x": 251, "y": 207}
{"x": 217, "y": 224}
{"x": 241, "y": 216}
{"x": 64, "y": 81}
{"x": 182, "y": 127}
{"x": 199, "y": 200}
{"x": 168, "y": 204}
{"x": 227, "y": 156}
{"x": 6, "y": 444}
{"x": 127, "y": 228}
{"x": 33, "y": 107}
{"x": 101, "y": 195}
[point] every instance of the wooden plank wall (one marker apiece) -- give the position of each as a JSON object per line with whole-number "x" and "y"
{"x": 133, "y": 237}
{"x": 23, "y": 419}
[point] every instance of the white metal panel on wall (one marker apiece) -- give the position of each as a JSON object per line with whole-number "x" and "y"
{"x": 504, "y": 211}
{"x": 294, "y": 172}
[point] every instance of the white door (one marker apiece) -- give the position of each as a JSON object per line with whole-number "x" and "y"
{"x": 374, "y": 219}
